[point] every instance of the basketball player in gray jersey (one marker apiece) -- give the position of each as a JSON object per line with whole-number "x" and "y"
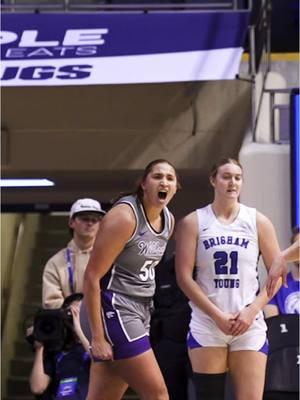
{"x": 144, "y": 250}
{"x": 222, "y": 242}
{"x": 116, "y": 313}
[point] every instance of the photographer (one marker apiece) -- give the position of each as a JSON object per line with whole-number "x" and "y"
{"x": 63, "y": 373}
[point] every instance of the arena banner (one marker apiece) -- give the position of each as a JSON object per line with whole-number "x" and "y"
{"x": 120, "y": 48}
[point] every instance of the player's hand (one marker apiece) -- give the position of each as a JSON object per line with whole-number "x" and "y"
{"x": 243, "y": 320}
{"x": 277, "y": 270}
{"x": 101, "y": 350}
{"x": 225, "y": 321}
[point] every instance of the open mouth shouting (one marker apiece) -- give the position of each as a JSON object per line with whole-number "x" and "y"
{"x": 162, "y": 195}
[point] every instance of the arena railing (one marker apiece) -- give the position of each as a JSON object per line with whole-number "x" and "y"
{"x": 259, "y": 55}
{"x": 280, "y": 131}
{"x": 119, "y": 5}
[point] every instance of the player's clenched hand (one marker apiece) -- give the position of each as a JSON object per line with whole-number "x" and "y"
{"x": 242, "y": 321}
{"x": 101, "y": 350}
{"x": 225, "y": 321}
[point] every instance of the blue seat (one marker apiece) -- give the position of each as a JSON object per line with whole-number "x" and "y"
{"x": 282, "y": 374}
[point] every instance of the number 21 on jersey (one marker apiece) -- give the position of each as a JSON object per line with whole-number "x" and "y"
{"x": 226, "y": 263}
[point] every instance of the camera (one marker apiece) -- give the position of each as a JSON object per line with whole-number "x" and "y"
{"x": 53, "y": 328}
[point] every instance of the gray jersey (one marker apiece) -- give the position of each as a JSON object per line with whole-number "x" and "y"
{"x": 133, "y": 272}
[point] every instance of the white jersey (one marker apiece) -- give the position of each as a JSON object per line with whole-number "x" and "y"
{"x": 226, "y": 260}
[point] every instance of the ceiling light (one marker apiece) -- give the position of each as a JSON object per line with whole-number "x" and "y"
{"x": 25, "y": 182}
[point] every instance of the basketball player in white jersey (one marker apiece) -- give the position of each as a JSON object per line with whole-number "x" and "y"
{"x": 119, "y": 285}
{"x": 223, "y": 242}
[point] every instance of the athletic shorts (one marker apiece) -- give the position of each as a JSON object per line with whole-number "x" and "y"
{"x": 126, "y": 323}
{"x": 205, "y": 333}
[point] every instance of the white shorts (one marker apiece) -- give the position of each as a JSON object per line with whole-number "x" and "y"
{"x": 205, "y": 333}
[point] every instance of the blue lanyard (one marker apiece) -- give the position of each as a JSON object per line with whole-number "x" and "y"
{"x": 70, "y": 271}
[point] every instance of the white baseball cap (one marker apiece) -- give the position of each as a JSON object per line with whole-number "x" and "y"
{"x": 86, "y": 205}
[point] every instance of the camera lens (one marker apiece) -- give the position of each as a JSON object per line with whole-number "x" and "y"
{"x": 47, "y": 327}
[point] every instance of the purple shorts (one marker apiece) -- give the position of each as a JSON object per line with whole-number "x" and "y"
{"x": 126, "y": 322}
